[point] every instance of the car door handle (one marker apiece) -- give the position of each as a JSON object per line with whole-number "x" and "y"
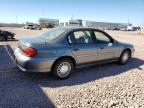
{"x": 76, "y": 49}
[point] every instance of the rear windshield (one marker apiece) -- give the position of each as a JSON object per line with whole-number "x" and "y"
{"x": 53, "y": 33}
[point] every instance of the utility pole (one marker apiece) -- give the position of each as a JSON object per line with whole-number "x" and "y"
{"x": 72, "y": 17}
{"x": 43, "y": 13}
{"x": 128, "y": 22}
{"x": 16, "y": 19}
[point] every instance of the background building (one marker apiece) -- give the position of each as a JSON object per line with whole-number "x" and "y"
{"x": 107, "y": 26}
{"x": 72, "y": 22}
{"x": 48, "y": 23}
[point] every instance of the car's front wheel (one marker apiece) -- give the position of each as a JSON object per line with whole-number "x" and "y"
{"x": 125, "y": 56}
{"x": 63, "y": 68}
{"x": 1, "y": 38}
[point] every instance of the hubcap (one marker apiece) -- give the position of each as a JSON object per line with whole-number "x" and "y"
{"x": 125, "y": 57}
{"x": 64, "y": 69}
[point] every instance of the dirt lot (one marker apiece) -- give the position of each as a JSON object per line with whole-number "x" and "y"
{"x": 103, "y": 86}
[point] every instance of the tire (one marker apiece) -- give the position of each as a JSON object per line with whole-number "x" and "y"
{"x": 63, "y": 69}
{"x": 125, "y": 56}
{"x": 3, "y": 38}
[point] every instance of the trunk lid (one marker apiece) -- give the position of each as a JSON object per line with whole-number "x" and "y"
{"x": 30, "y": 42}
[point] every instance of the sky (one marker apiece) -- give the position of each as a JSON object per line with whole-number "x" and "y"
{"x": 122, "y": 11}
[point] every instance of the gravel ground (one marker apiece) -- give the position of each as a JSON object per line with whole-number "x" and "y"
{"x": 103, "y": 86}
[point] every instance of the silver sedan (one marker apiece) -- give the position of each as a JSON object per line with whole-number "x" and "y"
{"x": 61, "y": 50}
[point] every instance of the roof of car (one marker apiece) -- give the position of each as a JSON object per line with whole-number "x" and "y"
{"x": 76, "y": 28}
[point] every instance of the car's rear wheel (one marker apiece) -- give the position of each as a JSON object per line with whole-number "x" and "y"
{"x": 63, "y": 68}
{"x": 125, "y": 56}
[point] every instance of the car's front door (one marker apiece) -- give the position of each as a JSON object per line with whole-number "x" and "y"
{"x": 82, "y": 46}
{"x": 108, "y": 49}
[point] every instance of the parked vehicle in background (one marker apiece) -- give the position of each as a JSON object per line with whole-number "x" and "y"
{"x": 117, "y": 29}
{"x": 28, "y": 26}
{"x": 61, "y": 50}
{"x": 5, "y": 35}
{"x": 136, "y": 28}
{"x": 33, "y": 27}
{"x": 129, "y": 28}
{"x": 36, "y": 26}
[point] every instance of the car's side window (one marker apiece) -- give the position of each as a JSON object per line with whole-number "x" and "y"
{"x": 80, "y": 37}
{"x": 101, "y": 37}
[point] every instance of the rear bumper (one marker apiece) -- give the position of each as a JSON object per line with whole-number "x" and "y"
{"x": 30, "y": 64}
{"x": 33, "y": 70}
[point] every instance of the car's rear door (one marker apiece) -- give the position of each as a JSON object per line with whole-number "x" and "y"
{"x": 82, "y": 46}
{"x": 107, "y": 48}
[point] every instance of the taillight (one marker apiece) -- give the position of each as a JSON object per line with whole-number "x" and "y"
{"x": 29, "y": 51}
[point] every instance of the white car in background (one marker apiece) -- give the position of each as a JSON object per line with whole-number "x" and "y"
{"x": 32, "y": 26}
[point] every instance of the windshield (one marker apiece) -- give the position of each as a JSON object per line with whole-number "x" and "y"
{"x": 53, "y": 33}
